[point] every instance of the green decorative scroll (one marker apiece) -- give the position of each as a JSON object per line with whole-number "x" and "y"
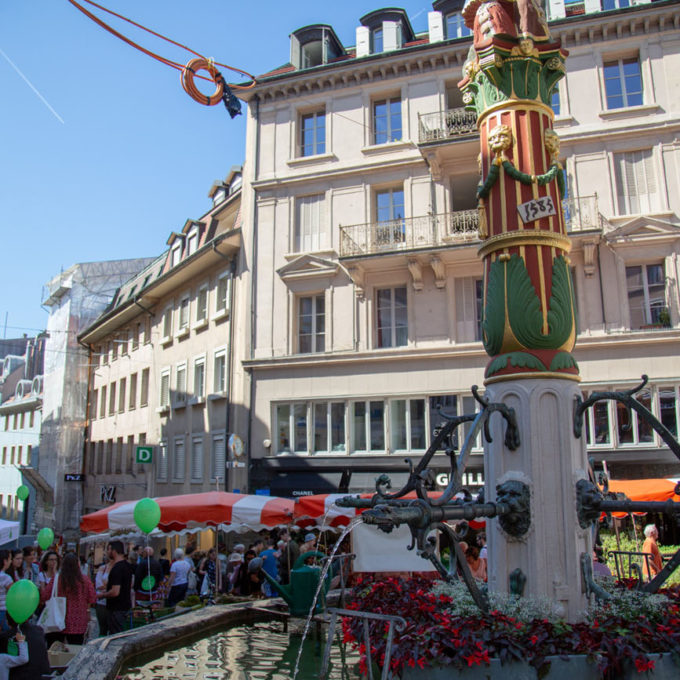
{"x": 563, "y": 360}
{"x": 523, "y": 307}
{"x": 516, "y": 359}
{"x": 523, "y": 177}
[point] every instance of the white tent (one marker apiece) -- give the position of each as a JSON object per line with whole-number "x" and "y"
{"x": 9, "y": 531}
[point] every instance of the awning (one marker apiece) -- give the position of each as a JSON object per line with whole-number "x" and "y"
{"x": 645, "y": 490}
{"x": 227, "y": 511}
{"x": 9, "y": 531}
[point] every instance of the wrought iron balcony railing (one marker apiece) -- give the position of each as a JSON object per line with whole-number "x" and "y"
{"x": 582, "y": 214}
{"x": 408, "y": 233}
{"x": 446, "y": 125}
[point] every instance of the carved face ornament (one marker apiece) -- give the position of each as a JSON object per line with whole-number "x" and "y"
{"x": 500, "y": 139}
{"x": 552, "y": 144}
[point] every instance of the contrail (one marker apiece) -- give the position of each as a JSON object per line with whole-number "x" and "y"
{"x": 28, "y": 82}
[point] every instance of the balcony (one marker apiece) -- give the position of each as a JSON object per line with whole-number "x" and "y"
{"x": 446, "y": 126}
{"x": 412, "y": 233}
{"x": 581, "y": 213}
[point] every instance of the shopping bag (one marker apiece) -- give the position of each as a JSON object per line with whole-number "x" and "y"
{"x": 53, "y": 617}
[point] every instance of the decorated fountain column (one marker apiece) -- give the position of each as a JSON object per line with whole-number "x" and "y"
{"x": 529, "y": 325}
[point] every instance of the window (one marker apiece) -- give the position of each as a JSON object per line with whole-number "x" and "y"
{"x": 114, "y": 349}
{"x": 636, "y": 189}
{"x": 112, "y": 398}
{"x": 614, "y": 4}
{"x": 176, "y": 254}
{"x": 118, "y": 466}
{"x": 376, "y": 40}
{"x": 329, "y": 427}
{"x": 311, "y": 324}
{"x": 144, "y": 391}
{"x": 93, "y": 405}
{"x": 197, "y": 458}
{"x": 469, "y": 296}
{"x": 91, "y": 459}
{"x": 167, "y": 324}
{"x": 104, "y": 350}
{"x": 133, "y": 392}
{"x": 121, "y": 395}
{"x": 555, "y": 101}
{"x": 108, "y": 469}
{"x": 129, "y": 454}
{"x": 29, "y": 455}
{"x": 389, "y": 212}
{"x": 199, "y": 378}
{"x": 455, "y": 26}
{"x": 22, "y": 417}
{"x": 387, "y": 120}
{"x": 222, "y": 294}
{"x": 181, "y": 384}
{"x": 407, "y": 425}
{"x": 201, "y": 305}
{"x": 309, "y": 227}
{"x": 20, "y": 453}
{"x": 136, "y": 336}
{"x": 162, "y": 467}
{"x": 30, "y": 418}
{"x": 367, "y": 426}
{"x": 646, "y": 284}
{"x": 147, "y": 331}
{"x": 178, "y": 460}
{"x": 623, "y": 82}
{"x": 313, "y": 133}
{"x": 391, "y": 315}
{"x": 668, "y": 408}
{"x": 142, "y": 467}
{"x": 218, "y": 459}
{"x": 574, "y": 8}
{"x": 102, "y": 408}
{"x": 192, "y": 241}
{"x": 220, "y": 372}
{"x": 164, "y": 391}
{"x": 100, "y": 458}
{"x": 183, "y": 316}
{"x": 291, "y": 427}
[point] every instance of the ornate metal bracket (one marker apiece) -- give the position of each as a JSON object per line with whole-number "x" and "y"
{"x": 592, "y": 588}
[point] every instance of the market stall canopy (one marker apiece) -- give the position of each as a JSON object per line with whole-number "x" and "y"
{"x": 645, "y": 490}
{"x": 9, "y": 531}
{"x": 228, "y": 511}
{"x": 321, "y": 510}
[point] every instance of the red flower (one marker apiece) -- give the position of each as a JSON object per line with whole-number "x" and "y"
{"x": 642, "y": 664}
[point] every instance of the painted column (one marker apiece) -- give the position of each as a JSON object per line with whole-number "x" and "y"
{"x": 529, "y": 323}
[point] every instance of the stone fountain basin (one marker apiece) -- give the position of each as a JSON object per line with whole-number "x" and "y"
{"x": 104, "y": 657}
{"x": 577, "y": 666}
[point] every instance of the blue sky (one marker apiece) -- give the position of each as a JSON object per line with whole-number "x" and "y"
{"x": 134, "y": 156}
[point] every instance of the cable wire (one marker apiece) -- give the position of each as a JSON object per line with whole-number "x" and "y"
{"x": 188, "y": 72}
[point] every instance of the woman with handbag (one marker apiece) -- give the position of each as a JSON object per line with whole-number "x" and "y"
{"x": 78, "y": 594}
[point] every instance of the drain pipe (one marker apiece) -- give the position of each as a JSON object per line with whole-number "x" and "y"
{"x": 599, "y": 274}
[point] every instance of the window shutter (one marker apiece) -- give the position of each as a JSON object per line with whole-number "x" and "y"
{"x": 465, "y": 309}
{"x": 294, "y": 51}
{"x": 556, "y": 8}
{"x": 363, "y": 41}
{"x": 391, "y": 36}
{"x": 435, "y": 26}
{"x": 197, "y": 459}
{"x": 163, "y": 460}
{"x": 180, "y": 460}
{"x": 218, "y": 457}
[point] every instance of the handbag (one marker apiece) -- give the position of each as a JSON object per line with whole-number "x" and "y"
{"x": 53, "y": 617}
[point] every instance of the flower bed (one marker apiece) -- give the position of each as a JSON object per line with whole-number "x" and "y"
{"x": 440, "y": 631}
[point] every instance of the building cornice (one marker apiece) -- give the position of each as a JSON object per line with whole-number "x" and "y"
{"x": 584, "y": 30}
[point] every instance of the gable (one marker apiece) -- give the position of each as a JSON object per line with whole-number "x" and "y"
{"x": 308, "y": 267}
{"x": 643, "y": 226}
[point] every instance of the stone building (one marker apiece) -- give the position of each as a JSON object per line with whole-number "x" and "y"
{"x": 361, "y": 225}
{"x": 162, "y": 370}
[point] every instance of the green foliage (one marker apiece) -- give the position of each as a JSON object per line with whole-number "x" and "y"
{"x": 517, "y": 359}
{"x": 190, "y": 601}
{"x": 628, "y": 604}
{"x": 494, "y": 310}
{"x": 563, "y": 360}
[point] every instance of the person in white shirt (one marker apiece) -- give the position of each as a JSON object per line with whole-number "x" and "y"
{"x": 8, "y": 661}
{"x": 179, "y": 578}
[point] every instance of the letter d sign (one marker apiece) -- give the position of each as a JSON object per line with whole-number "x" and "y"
{"x": 145, "y": 454}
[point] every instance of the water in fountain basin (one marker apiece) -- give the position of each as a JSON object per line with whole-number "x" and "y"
{"x": 345, "y": 532}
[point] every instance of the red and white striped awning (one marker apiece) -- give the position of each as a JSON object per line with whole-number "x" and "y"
{"x": 321, "y": 511}
{"x": 228, "y": 511}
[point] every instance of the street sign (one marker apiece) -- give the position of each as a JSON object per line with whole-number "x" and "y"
{"x": 68, "y": 477}
{"x": 145, "y": 454}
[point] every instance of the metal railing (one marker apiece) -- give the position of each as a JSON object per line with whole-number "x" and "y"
{"x": 581, "y": 213}
{"x": 408, "y": 233}
{"x": 446, "y": 125}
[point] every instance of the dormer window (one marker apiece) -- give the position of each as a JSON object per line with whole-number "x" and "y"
{"x": 176, "y": 254}
{"x": 192, "y": 240}
{"x": 236, "y": 184}
{"x": 389, "y": 29}
{"x": 314, "y": 46}
{"x": 377, "y": 40}
{"x": 455, "y": 26}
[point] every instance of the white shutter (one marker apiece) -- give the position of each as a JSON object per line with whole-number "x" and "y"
{"x": 197, "y": 458}
{"x": 435, "y": 26}
{"x": 179, "y": 462}
{"x": 465, "y": 309}
{"x": 556, "y": 9}
{"x": 363, "y": 41}
{"x": 162, "y": 461}
{"x": 391, "y": 36}
{"x": 592, "y": 6}
{"x": 294, "y": 51}
{"x": 218, "y": 460}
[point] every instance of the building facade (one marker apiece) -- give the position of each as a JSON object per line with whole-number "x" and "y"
{"x": 361, "y": 223}
{"x": 162, "y": 370}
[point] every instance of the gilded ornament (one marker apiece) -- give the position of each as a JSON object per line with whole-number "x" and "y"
{"x": 498, "y": 61}
{"x": 552, "y": 144}
{"x": 468, "y": 98}
{"x": 555, "y": 64}
{"x": 482, "y": 226}
{"x": 500, "y": 139}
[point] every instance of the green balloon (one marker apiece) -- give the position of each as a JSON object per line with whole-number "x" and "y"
{"x": 148, "y": 582}
{"x": 45, "y": 538}
{"x": 22, "y": 492}
{"x": 147, "y": 514}
{"x": 22, "y": 600}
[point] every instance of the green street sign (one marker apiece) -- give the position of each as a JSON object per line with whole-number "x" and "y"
{"x": 145, "y": 454}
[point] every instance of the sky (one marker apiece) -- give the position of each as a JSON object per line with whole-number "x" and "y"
{"x": 102, "y": 153}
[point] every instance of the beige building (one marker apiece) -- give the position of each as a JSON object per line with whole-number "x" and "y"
{"x": 162, "y": 370}
{"x": 360, "y": 223}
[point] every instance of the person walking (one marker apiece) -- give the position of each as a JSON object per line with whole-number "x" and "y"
{"x": 80, "y": 596}
{"x": 30, "y": 567}
{"x": 101, "y": 580}
{"x": 653, "y": 565}
{"x": 5, "y": 583}
{"x": 49, "y": 566}
{"x": 178, "y": 580}
{"x": 149, "y": 566}
{"x": 117, "y": 593}
{"x": 270, "y": 558}
{"x": 208, "y": 569}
